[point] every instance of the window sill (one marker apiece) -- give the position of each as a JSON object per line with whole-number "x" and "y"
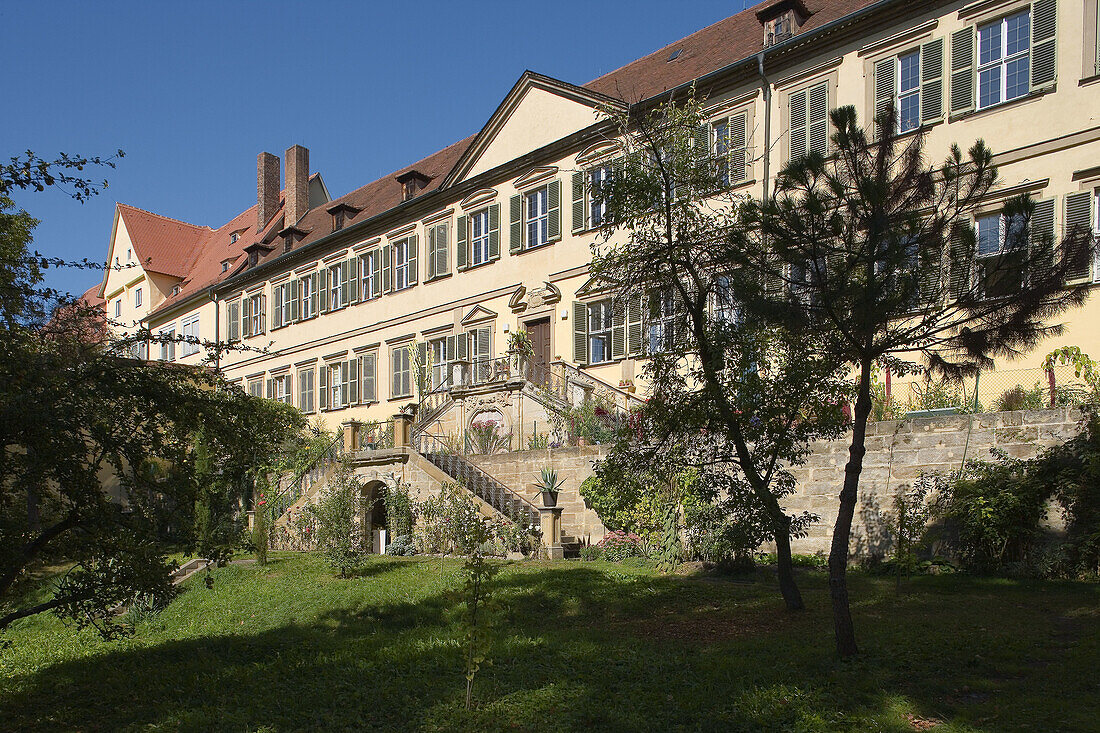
{"x": 467, "y": 268}
{"x": 436, "y": 278}
{"x": 398, "y": 398}
{"x": 1089, "y": 80}
{"x": 1029, "y": 97}
{"x": 537, "y": 247}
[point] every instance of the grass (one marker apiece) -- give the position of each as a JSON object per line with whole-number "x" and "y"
{"x": 578, "y": 645}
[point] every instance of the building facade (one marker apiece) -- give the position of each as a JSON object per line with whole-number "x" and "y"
{"x": 353, "y": 308}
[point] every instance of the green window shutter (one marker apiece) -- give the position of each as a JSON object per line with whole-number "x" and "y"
{"x": 246, "y": 320}
{"x": 367, "y": 365}
{"x": 277, "y": 308}
{"x": 295, "y": 298}
{"x": 797, "y": 112}
{"x": 345, "y": 391}
{"x": 482, "y": 336}
{"x": 352, "y": 268}
{"x": 931, "y": 81}
{"x": 1041, "y": 239}
{"x": 462, "y": 347}
{"x": 738, "y": 147}
{"x": 1078, "y": 225}
{"x": 429, "y": 265}
{"x": 580, "y": 333}
{"x": 353, "y": 381}
{"x": 263, "y": 313}
{"x": 462, "y": 243}
{"x": 818, "y": 118}
{"x": 515, "y": 240}
{"x": 442, "y": 249}
{"x": 930, "y": 267}
{"x": 414, "y": 248}
{"x": 494, "y": 232}
{"x": 322, "y": 377}
{"x": 553, "y": 197}
{"x": 1044, "y": 44}
{"x": 961, "y": 254}
{"x": 233, "y": 321}
{"x": 885, "y": 85}
{"x": 314, "y": 293}
{"x": 618, "y": 328}
{"x": 345, "y": 284}
{"x": 579, "y": 209}
{"x": 271, "y": 388}
{"x": 322, "y": 292}
{"x": 701, "y": 142}
{"x": 634, "y": 330}
{"x": 962, "y": 70}
{"x": 422, "y": 361}
{"x": 376, "y": 273}
{"x": 387, "y": 269}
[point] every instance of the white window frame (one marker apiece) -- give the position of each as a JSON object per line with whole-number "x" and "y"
{"x": 137, "y": 297}
{"x": 168, "y": 344}
{"x": 255, "y": 314}
{"x": 1001, "y": 63}
{"x": 661, "y": 326}
{"x": 335, "y": 275}
{"x": 602, "y": 313}
{"x": 903, "y": 93}
{"x": 438, "y": 359}
{"x": 401, "y": 262}
{"x": 256, "y": 387}
{"x": 189, "y": 329}
{"x": 596, "y": 209}
{"x": 282, "y": 389}
{"x": 306, "y": 390}
{"x": 536, "y": 226}
{"x": 305, "y": 296}
{"x": 1002, "y": 241}
{"x": 479, "y": 238}
{"x": 367, "y": 266}
{"x": 118, "y": 308}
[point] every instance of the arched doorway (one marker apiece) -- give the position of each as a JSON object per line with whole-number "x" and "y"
{"x": 372, "y": 517}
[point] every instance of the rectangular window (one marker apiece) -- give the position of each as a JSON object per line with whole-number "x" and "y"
{"x": 1001, "y": 246}
{"x": 338, "y": 285}
{"x": 305, "y": 390}
{"x": 662, "y": 321}
{"x": 401, "y": 371}
{"x": 137, "y": 298}
{"x": 255, "y": 314}
{"x": 438, "y": 359}
{"x": 189, "y": 329}
{"x": 256, "y": 387}
{"x": 403, "y": 252}
{"x": 908, "y": 95}
{"x": 233, "y": 321}
{"x": 480, "y": 349}
{"x": 282, "y": 389}
{"x": 479, "y": 237}
{"x": 1004, "y": 59}
{"x": 168, "y": 343}
{"x": 808, "y": 111}
{"x": 600, "y": 319}
{"x": 723, "y": 303}
{"x": 728, "y": 146}
{"x": 370, "y": 274}
{"x": 368, "y": 371}
{"x": 536, "y": 205}
{"x": 339, "y": 382}
{"x": 118, "y": 307}
{"x": 597, "y": 208}
{"x": 280, "y": 305}
{"x": 307, "y": 296}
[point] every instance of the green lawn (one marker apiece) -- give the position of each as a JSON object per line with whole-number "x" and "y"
{"x": 578, "y": 646}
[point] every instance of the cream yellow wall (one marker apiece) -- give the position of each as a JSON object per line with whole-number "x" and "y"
{"x": 1043, "y": 137}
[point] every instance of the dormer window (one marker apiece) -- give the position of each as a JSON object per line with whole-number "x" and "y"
{"x": 288, "y": 242}
{"x": 782, "y": 20}
{"x": 338, "y": 220}
{"x": 225, "y": 265}
{"x": 412, "y": 183}
{"x": 176, "y": 289}
{"x": 341, "y": 213}
{"x": 253, "y": 258}
{"x": 234, "y": 237}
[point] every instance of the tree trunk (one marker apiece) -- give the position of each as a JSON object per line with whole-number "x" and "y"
{"x": 785, "y": 568}
{"x": 842, "y": 531}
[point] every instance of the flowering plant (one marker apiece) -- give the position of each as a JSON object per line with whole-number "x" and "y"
{"x": 618, "y": 545}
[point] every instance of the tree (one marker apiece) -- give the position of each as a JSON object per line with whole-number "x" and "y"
{"x": 98, "y": 461}
{"x": 736, "y": 400}
{"x": 877, "y": 250}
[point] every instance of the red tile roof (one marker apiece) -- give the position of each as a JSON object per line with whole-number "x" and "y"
{"x": 712, "y": 48}
{"x": 92, "y": 297}
{"x": 163, "y": 245}
{"x": 709, "y": 49}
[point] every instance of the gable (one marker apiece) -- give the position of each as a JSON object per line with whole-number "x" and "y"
{"x": 536, "y": 112}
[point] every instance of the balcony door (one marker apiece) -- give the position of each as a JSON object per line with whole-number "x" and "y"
{"x": 539, "y": 333}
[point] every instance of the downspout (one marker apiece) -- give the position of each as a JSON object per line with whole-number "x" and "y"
{"x": 217, "y": 331}
{"x": 767, "y": 88}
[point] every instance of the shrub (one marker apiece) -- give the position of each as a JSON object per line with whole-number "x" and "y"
{"x": 402, "y": 546}
{"x": 716, "y": 534}
{"x": 334, "y": 515}
{"x": 1019, "y": 398}
{"x": 591, "y": 552}
{"x": 450, "y": 522}
{"x": 618, "y": 545}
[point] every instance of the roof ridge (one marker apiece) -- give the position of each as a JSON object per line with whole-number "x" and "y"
{"x": 166, "y": 218}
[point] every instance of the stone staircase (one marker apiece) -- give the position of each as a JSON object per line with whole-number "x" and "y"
{"x": 510, "y": 504}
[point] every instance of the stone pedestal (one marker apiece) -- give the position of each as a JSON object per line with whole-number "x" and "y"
{"x": 402, "y": 430}
{"x": 550, "y": 523}
{"x": 352, "y": 430}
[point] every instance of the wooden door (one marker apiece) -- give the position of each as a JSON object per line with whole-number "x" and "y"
{"x": 539, "y": 333}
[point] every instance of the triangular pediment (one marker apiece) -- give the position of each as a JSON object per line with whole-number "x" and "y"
{"x": 478, "y": 313}
{"x": 537, "y": 111}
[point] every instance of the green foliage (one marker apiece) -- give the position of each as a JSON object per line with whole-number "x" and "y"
{"x": 538, "y": 441}
{"x": 617, "y": 545}
{"x": 936, "y": 394}
{"x": 911, "y": 514}
{"x": 717, "y": 533}
{"x": 486, "y": 438}
{"x": 520, "y": 342}
{"x": 335, "y": 514}
{"x": 992, "y": 516}
{"x": 477, "y": 573}
{"x": 595, "y": 420}
{"x": 450, "y": 522}
{"x": 548, "y": 480}
{"x": 589, "y": 553}
{"x": 1018, "y": 398}
{"x": 400, "y": 509}
{"x": 402, "y": 546}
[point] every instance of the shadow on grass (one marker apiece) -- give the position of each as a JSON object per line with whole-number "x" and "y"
{"x": 577, "y": 647}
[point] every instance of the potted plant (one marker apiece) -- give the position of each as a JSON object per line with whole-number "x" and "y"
{"x": 548, "y": 484}
{"x": 521, "y": 350}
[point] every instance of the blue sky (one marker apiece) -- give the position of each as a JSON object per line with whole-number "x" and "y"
{"x": 193, "y": 91}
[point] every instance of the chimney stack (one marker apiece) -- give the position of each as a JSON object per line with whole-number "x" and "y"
{"x": 267, "y": 188}
{"x": 297, "y": 184}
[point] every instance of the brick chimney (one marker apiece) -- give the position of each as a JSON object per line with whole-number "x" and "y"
{"x": 267, "y": 188}
{"x": 297, "y": 184}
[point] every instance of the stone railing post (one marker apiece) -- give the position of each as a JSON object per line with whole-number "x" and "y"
{"x": 550, "y": 524}
{"x": 351, "y": 430}
{"x": 402, "y": 430}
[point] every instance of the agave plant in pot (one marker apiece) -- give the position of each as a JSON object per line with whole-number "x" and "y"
{"x": 548, "y": 484}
